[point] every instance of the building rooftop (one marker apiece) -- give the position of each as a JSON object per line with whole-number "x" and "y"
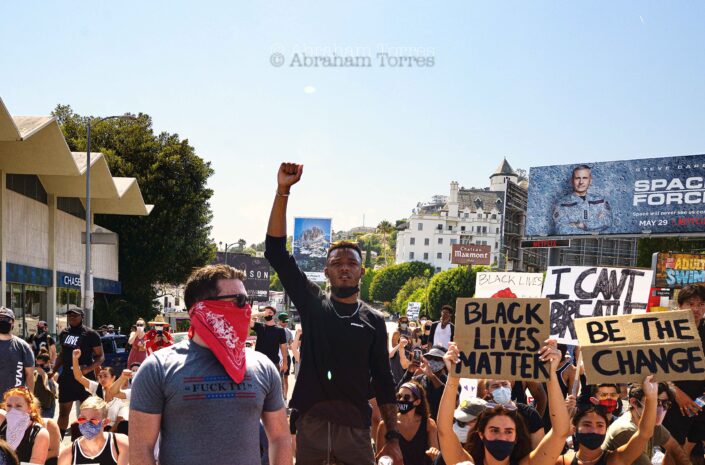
{"x": 504, "y": 169}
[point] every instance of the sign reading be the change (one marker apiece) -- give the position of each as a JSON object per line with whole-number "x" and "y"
{"x": 501, "y": 338}
{"x": 624, "y": 349}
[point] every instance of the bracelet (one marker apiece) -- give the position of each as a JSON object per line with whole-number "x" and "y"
{"x": 282, "y": 195}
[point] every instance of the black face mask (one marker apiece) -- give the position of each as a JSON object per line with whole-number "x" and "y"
{"x": 5, "y": 327}
{"x": 344, "y": 291}
{"x": 590, "y": 440}
{"x": 499, "y": 449}
{"x": 268, "y": 317}
{"x": 405, "y": 406}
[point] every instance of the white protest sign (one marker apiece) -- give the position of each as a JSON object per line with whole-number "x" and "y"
{"x": 584, "y": 291}
{"x": 468, "y": 389}
{"x": 522, "y": 285}
{"x": 412, "y": 310}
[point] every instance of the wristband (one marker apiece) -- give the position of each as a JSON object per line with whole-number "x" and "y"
{"x": 282, "y": 195}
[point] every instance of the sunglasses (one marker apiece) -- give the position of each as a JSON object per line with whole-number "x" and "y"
{"x": 140, "y": 326}
{"x": 663, "y": 403}
{"x": 82, "y": 420}
{"x": 239, "y": 299}
{"x": 462, "y": 424}
{"x": 491, "y": 405}
{"x": 405, "y": 397}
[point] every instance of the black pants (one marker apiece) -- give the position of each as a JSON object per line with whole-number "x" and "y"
{"x": 320, "y": 442}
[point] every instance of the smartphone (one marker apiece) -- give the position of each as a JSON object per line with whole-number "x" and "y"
{"x": 416, "y": 355}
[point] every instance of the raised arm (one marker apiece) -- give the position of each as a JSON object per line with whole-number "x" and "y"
{"x": 553, "y": 442}
{"x": 77, "y": 373}
{"x": 630, "y": 451}
{"x": 115, "y": 389}
{"x": 288, "y": 175}
{"x": 451, "y": 449}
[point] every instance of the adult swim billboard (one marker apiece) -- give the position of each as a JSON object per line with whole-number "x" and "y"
{"x": 634, "y": 197}
{"x": 311, "y": 242}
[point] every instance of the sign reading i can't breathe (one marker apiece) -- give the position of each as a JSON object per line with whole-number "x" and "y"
{"x": 624, "y": 349}
{"x": 501, "y": 338}
{"x": 583, "y": 291}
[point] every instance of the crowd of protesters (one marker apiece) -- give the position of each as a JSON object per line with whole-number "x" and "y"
{"x": 360, "y": 395}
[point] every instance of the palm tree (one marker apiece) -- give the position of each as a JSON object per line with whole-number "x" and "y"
{"x": 241, "y": 244}
{"x": 384, "y": 228}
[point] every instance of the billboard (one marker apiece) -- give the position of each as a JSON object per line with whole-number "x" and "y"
{"x": 630, "y": 197}
{"x": 675, "y": 270}
{"x": 311, "y": 242}
{"x": 469, "y": 254}
{"x": 256, "y": 273}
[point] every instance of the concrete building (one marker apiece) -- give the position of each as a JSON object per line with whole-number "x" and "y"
{"x": 42, "y": 216}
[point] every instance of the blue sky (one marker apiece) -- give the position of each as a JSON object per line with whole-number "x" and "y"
{"x": 537, "y": 82}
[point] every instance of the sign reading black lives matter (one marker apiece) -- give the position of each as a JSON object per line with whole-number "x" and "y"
{"x": 501, "y": 338}
{"x": 583, "y": 291}
{"x": 256, "y": 273}
{"x": 624, "y": 349}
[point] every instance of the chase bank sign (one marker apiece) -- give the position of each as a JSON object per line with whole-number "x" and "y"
{"x": 68, "y": 280}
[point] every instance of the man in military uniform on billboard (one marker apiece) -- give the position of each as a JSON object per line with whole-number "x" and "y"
{"x": 581, "y": 212}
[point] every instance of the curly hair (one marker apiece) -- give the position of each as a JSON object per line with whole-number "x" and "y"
{"x": 475, "y": 446}
{"x": 32, "y": 402}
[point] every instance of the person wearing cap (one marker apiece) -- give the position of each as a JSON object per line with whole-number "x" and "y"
{"x": 43, "y": 340}
{"x": 16, "y": 357}
{"x": 159, "y": 336}
{"x": 271, "y": 339}
{"x": 76, "y": 336}
{"x": 443, "y": 331}
{"x": 283, "y": 318}
{"x": 465, "y": 417}
{"x": 431, "y": 374}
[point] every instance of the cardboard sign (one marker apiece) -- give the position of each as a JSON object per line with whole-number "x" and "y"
{"x": 584, "y": 291}
{"x": 501, "y": 338}
{"x": 412, "y": 310}
{"x": 469, "y": 254}
{"x": 624, "y": 349}
{"x": 523, "y": 285}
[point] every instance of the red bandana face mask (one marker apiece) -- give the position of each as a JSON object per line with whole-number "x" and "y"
{"x": 224, "y": 327}
{"x": 610, "y": 405}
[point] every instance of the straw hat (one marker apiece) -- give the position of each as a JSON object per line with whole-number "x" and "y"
{"x": 158, "y": 320}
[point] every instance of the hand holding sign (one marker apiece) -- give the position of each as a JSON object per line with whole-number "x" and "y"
{"x": 549, "y": 353}
{"x": 451, "y": 357}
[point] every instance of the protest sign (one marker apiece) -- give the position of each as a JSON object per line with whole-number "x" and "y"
{"x": 412, "y": 310}
{"x": 626, "y": 348}
{"x": 501, "y": 338}
{"x": 583, "y": 291}
{"x": 523, "y": 285}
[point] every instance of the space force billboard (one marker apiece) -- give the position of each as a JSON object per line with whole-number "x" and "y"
{"x": 648, "y": 196}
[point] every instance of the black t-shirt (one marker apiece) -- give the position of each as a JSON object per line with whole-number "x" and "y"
{"x": 433, "y": 394}
{"x": 81, "y": 337}
{"x": 346, "y": 345}
{"x": 269, "y": 338}
{"x": 39, "y": 341}
{"x": 695, "y": 388}
{"x": 531, "y": 417}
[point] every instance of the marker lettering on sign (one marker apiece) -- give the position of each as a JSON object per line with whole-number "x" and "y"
{"x": 475, "y": 312}
{"x": 602, "y": 331}
{"x": 649, "y": 360}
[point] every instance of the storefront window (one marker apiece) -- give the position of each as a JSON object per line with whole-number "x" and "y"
{"x": 29, "y": 304}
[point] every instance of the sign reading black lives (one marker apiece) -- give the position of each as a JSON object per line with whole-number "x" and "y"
{"x": 256, "y": 273}
{"x": 626, "y": 348}
{"x": 501, "y": 338}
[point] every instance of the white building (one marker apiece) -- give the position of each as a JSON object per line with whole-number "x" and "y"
{"x": 42, "y": 216}
{"x": 466, "y": 216}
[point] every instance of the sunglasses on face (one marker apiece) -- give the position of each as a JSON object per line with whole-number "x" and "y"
{"x": 82, "y": 420}
{"x": 663, "y": 403}
{"x": 492, "y": 405}
{"x": 141, "y": 325}
{"x": 239, "y": 299}
{"x": 462, "y": 424}
{"x": 405, "y": 397}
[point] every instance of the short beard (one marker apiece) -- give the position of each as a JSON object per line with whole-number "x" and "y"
{"x": 344, "y": 292}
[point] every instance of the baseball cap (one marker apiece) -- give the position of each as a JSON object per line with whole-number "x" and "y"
{"x": 7, "y": 313}
{"x": 435, "y": 352}
{"x": 469, "y": 409}
{"x": 75, "y": 310}
{"x": 283, "y": 316}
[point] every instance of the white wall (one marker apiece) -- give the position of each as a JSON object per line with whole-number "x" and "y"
{"x": 70, "y": 252}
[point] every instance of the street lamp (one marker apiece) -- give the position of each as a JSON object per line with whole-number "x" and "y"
{"x": 227, "y": 247}
{"x": 88, "y": 286}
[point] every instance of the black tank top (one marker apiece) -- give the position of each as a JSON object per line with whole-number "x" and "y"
{"x": 561, "y": 381}
{"x": 105, "y": 457}
{"x": 601, "y": 461}
{"x": 414, "y": 451}
{"x": 24, "y": 450}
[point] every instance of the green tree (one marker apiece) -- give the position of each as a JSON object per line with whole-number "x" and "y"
{"x": 447, "y": 286}
{"x": 274, "y": 283}
{"x": 368, "y": 258}
{"x": 365, "y": 283}
{"x": 409, "y": 288}
{"x": 648, "y": 246}
{"x": 166, "y": 245}
{"x": 385, "y": 228}
{"x": 388, "y": 281}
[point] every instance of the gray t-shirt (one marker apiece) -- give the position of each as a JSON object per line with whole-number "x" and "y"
{"x": 15, "y": 356}
{"x": 621, "y": 431}
{"x": 202, "y": 408}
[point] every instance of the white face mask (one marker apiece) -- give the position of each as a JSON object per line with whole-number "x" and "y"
{"x": 17, "y": 423}
{"x": 461, "y": 433}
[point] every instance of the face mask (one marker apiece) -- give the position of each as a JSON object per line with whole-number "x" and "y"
{"x": 461, "y": 433}
{"x": 17, "y": 423}
{"x": 423, "y": 322}
{"x": 268, "y": 318}
{"x": 345, "y": 291}
{"x": 610, "y": 405}
{"x": 436, "y": 365}
{"x": 89, "y": 430}
{"x": 499, "y": 449}
{"x": 502, "y": 395}
{"x": 5, "y": 327}
{"x": 405, "y": 406}
{"x": 403, "y": 326}
{"x": 591, "y": 441}
{"x": 140, "y": 330}
{"x": 224, "y": 327}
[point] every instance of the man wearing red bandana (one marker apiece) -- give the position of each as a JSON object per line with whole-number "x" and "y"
{"x": 207, "y": 393}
